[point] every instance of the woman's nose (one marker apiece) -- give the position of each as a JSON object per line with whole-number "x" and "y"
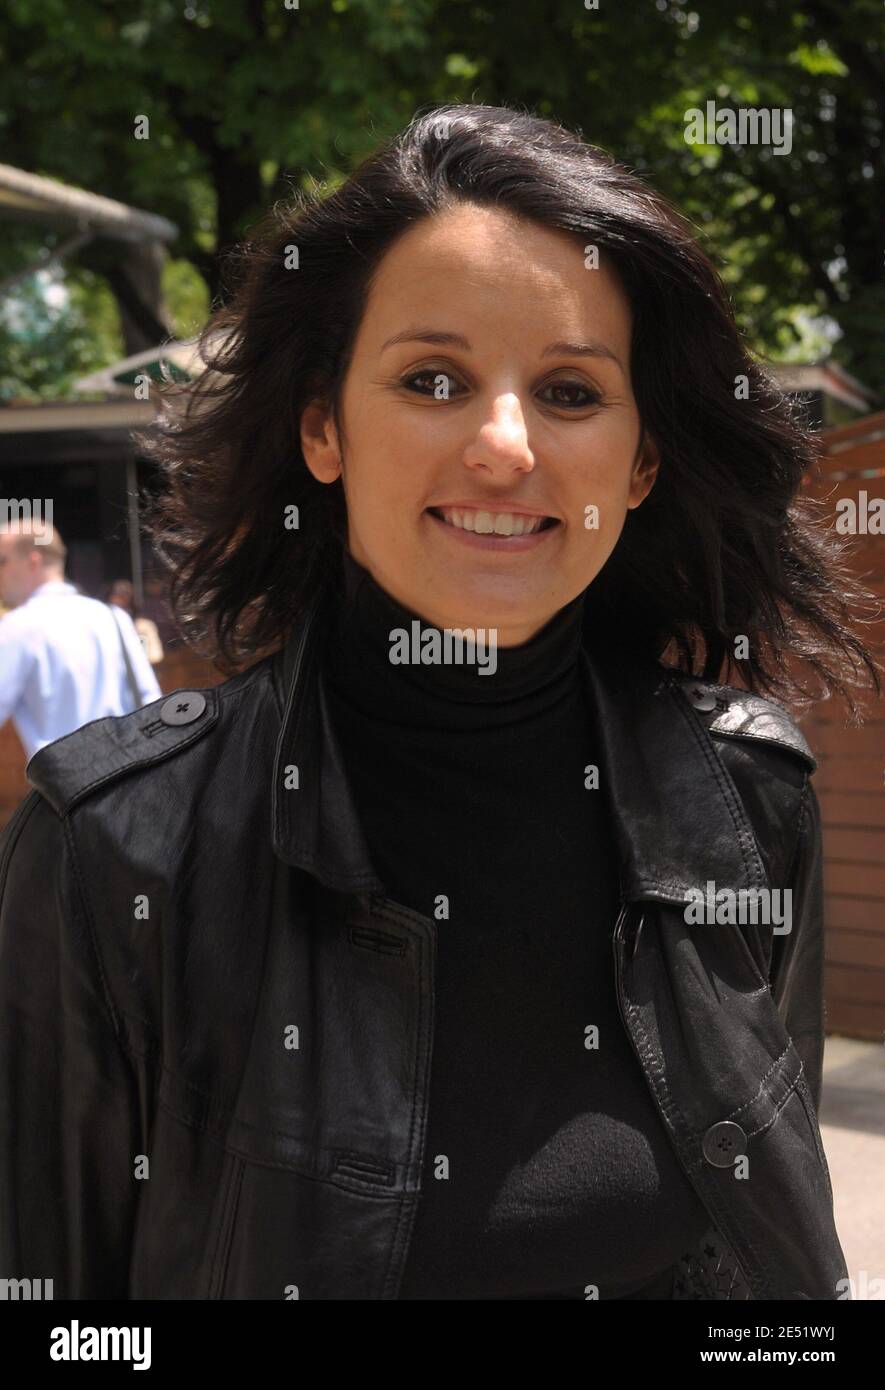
{"x": 502, "y": 444}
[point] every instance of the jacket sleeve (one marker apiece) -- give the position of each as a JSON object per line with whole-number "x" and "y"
{"x": 69, "y": 1112}
{"x": 797, "y": 964}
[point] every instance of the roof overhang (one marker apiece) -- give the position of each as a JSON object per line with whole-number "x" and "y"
{"x": 33, "y": 198}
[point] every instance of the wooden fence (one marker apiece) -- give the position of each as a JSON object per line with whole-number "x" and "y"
{"x": 850, "y": 779}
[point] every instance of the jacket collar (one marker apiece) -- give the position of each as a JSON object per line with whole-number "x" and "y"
{"x": 678, "y": 820}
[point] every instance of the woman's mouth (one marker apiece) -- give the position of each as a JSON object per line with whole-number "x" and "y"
{"x": 498, "y": 530}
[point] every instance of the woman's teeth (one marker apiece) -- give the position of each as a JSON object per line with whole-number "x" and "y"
{"x": 490, "y": 523}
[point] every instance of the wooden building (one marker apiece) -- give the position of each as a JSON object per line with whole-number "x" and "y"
{"x": 850, "y": 779}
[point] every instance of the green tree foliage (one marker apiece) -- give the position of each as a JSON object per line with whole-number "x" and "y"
{"x": 249, "y": 98}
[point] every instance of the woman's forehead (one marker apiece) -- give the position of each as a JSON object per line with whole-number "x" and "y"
{"x": 545, "y": 284}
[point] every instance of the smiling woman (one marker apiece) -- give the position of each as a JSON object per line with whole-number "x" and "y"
{"x": 517, "y": 423}
{"x": 419, "y": 1004}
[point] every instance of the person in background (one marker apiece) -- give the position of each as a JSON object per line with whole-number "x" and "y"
{"x": 65, "y": 659}
{"x": 122, "y": 594}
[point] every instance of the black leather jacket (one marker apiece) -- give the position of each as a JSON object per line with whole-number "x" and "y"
{"x": 217, "y": 1029}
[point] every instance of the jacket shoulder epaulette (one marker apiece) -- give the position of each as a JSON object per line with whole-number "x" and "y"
{"x": 729, "y": 712}
{"x": 72, "y": 767}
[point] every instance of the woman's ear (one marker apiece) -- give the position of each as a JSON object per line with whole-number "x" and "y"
{"x": 319, "y": 442}
{"x": 645, "y": 471}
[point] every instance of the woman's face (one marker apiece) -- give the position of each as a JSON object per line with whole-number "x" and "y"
{"x": 489, "y": 379}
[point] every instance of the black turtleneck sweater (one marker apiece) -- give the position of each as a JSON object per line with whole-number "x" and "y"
{"x": 547, "y": 1166}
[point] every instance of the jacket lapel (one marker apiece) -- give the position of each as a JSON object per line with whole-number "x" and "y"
{"x": 316, "y": 826}
{"x": 678, "y": 818}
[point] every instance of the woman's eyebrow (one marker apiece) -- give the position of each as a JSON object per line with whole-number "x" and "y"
{"x": 439, "y": 339}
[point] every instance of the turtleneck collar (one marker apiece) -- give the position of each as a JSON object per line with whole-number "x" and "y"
{"x": 525, "y": 680}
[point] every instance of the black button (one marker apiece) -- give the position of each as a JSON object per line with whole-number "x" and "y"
{"x": 701, "y": 697}
{"x": 183, "y": 707}
{"x": 723, "y": 1143}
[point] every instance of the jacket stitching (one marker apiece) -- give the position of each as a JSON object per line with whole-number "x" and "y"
{"x": 732, "y": 801}
{"x": 228, "y": 1115}
{"x": 362, "y": 1187}
{"x": 88, "y": 725}
{"x": 807, "y": 1100}
{"x": 406, "y": 1204}
{"x": 149, "y": 761}
{"x": 723, "y": 735}
{"x": 153, "y": 726}
{"x": 800, "y": 835}
{"x": 801, "y": 819}
{"x": 721, "y": 1214}
{"x": 738, "y": 1110}
{"x": 798, "y": 745}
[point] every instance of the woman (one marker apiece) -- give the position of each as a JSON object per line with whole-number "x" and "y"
{"x": 122, "y": 594}
{"x": 380, "y": 966}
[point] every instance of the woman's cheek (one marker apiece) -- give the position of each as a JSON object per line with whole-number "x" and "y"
{"x": 598, "y": 503}
{"x": 598, "y": 523}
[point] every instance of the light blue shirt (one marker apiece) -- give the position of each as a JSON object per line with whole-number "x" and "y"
{"x": 61, "y": 664}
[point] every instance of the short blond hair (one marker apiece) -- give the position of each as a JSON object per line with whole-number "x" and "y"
{"x": 50, "y": 547}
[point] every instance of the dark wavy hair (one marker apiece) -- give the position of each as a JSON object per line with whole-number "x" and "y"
{"x": 722, "y": 547}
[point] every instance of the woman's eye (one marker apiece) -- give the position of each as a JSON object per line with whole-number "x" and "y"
{"x": 439, "y": 383}
{"x": 592, "y": 397}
